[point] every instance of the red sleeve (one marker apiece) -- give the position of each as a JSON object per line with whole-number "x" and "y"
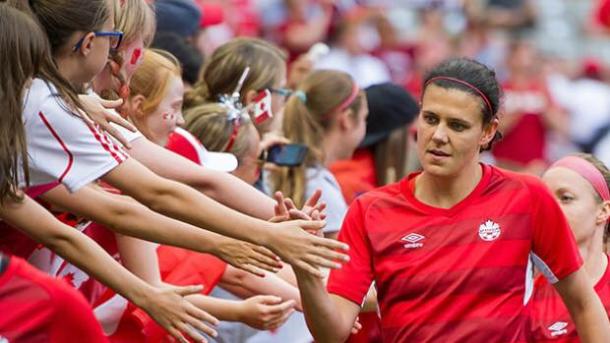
{"x": 180, "y": 145}
{"x": 353, "y": 280}
{"x": 554, "y": 247}
{"x": 602, "y": 13}
{"x": 73, "y": 319}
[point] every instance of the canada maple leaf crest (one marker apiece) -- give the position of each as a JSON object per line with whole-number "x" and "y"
{"x": 489, "y": 230}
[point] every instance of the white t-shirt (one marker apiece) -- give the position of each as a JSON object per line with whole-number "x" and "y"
{"x": 130, "y": 136}
{"x": 61, "y": 146}
{"x": 336, "y": 207}
{"x": 365, "y": 69}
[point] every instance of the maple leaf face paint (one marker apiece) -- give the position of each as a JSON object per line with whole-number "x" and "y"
{"x": 133, "y": 57}
{"x": 159, "y": 124}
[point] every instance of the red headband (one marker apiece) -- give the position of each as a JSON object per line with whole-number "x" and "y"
{"x": 348, "y": 101}
{"x": 467, "y": 84}
{"x": 587, "y": 170}
{"x": 235, "y": 123}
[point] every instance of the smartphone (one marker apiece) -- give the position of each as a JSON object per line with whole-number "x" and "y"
{"x": 287, "y": 155}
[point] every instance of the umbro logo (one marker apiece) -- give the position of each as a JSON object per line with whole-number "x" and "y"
{"x": 413, "y": 240}
{"x": 558, "y": 328}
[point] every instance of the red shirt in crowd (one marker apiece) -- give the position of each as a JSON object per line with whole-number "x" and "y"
{"x": 551, "y": 320}
{"x": 37, "y": 308}
{"x": 457, "y": 274}
{"x": 357, "y": 175}
{"x": 602, "y": 13}
{"x": 525, "y": 142}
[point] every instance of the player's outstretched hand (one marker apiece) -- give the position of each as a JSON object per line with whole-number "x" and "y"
{"x": 293, "y": 244}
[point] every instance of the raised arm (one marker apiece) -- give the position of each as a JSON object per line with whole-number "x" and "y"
{"x": 246, "y": 285}
{"x": 166, "y": 306}
{"x": 126, "y": 216}
{"x": 219, "y": 186}
{"x": 264, "y": 312}
{"x": 585, "y": 307}
{"x": 287, "y": 239}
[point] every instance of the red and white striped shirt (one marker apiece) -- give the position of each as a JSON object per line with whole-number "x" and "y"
{"x": 61, "y": 146}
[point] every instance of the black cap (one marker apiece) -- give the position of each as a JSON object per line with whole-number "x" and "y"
{"x": 179, "y": 16}
{"x": 390, "y": 107}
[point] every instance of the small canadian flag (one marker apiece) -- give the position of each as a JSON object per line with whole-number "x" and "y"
{"x": 261, "y": 108}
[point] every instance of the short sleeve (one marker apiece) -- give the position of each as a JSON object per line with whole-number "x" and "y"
{"x": 331, "y": 194}
{"x": 554, "y": 248}
{"x": 130, "y": 136}
{"x": 63, "y": 148}
{"x": 74, "y": 320}
{"x": 353, "y": 279}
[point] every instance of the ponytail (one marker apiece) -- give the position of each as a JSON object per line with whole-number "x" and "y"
{"x": 307, "y": 115}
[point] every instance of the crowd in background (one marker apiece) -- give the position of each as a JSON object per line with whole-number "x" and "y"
{"x": 342, "y": 77}
{"x": 552, "y": 54}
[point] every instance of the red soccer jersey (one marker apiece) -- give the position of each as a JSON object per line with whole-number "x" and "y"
{"x": 550, "y": 318}
{"x": 458, "y": 274}
{"x": 38, "y": 308}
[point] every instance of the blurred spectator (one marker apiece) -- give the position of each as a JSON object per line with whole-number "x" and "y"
{"x": 397, "y": 54}
{"x": 587, "y": 101}
{"x": 382, "y": 156}
{"x": 352, "y": 43}
{"x": 181, "y": 17}
{"x": 223, "y": 20}
{"x": 427, "y": 55}
{"x": 306, "y": 23}
{"x": 529, "y": 112}
{"x": 190, "y": 59}
{"x": 602, "y": 149}
{"x": 432, "y": 23}
{"x": 480, "y": 43}
{"x": 503, "y": 14}
{"x": 601, "y": 15}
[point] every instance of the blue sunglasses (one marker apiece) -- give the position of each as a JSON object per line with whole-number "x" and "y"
{"x": 116, "y": 37}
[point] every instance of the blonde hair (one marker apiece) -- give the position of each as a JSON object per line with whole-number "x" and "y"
{"x": 134, "y": 18}
{"x": 152, "y": 79}
{"x": 222, "y": 70}
{"x": 211, "y": 125}
{"x": 305, "y": 122}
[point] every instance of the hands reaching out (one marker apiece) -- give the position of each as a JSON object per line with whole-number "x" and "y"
{"x": 167, "y": 306}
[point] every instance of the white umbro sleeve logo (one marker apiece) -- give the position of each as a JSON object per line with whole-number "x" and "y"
{"x": 558, "y": 328}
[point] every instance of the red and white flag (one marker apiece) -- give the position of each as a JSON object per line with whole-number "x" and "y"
{"x": 261, "y": 108}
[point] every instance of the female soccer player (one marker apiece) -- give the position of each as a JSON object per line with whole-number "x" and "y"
{"x": 449, "y": 248}
{"x": 580, "y": 185}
